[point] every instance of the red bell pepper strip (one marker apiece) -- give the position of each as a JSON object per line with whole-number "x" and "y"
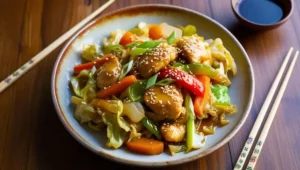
{"x": 90, "y": 65}
{"x": 184, "y": 79}
{"x": 200, "y": 102}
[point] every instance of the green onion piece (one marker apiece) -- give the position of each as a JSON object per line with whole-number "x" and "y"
{"x": 151, "y": 81}
{"x": 136, "y": 91}
{"x": 171, "y": 38}
{"x": 143, "y": 48}
{"x": 149, "y": 44}
{"x": 93, "y": 71}
{"x": 131, "y": 45}
{"x": 113, "y": 48}
{"x": 178, "y": 64}
{"x": 189, "y": 106}
{"x": 181, "y": 66}
{"x": 126, "y": 68}
{"x": 138, "y": 51}
{"x": 190, "y": 123}
{"x": 165, "y": 82}
{"x": 151, "y": 126}
{"x": 202, "y": 69}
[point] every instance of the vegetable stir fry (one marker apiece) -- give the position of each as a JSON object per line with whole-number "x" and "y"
{"x": 155, "y": 86}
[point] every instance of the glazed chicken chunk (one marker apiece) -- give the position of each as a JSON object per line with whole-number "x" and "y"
{"x": 173, "y": 132}
{"x": 150, "y": 63}
{"x": 164, "y": 101}
{"x": 193, "y": 49}
{"x": 108, "y": 73}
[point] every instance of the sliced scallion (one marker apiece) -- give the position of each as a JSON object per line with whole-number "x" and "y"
{"x": 139, "y": 51}
{"x": 151, "y": 81}
{"x": 137, "y": 90}
{"x": 171, "y": 38}
{"x": 181, "y": 66}
{"x": 126, "y": 68}
{"x": 131, "y": 45}
{"x": 190, "y": 123}
{"x": 149, "y": 44}
{"x": 165, "y": 82}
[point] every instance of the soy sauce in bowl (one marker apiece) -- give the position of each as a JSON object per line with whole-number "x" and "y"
{"x": 262, "y": 14}
{"x": 261, "y": 11}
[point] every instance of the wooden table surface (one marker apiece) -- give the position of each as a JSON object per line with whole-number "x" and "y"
{"x": 31, "y": 135}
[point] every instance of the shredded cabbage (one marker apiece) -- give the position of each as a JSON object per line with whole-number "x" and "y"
{"x": 76, "y": 100}
{"x": 223, "y": 121}
{"x": 231, "y": 65}
{"x": 134, "y": 134}
{"x": 75, "y": 81}
{"x": 116, "y": 135}
{"x": 113, "y": 106}
{"x": 220, "y": 53}
{"x": 227, "y": 109}
{"x": 91, "y": 52}
{"x": 113, "y": 49}
{"x": 96, "y": 126}
{"x": 88, "y": 92}
{"x": 114, "y": 38}
{"x": 221, "y": 95}
{"x": 85, "y": 113}
{"x": 209, "y": 130}
{"x": 176, "y": 149}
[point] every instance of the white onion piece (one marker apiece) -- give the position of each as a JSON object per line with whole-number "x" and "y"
{"x": 168, "y": 29}
{"x": 142, "y": 25}
{"x": 199, "y": 140}
{"x": 134, "y": 111}
{"x": 222, "y": 69}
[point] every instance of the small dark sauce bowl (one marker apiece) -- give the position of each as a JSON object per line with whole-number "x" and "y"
{"x": 286, "y": 5}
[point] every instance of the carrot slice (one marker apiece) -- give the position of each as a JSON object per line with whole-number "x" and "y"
{"x": 155, "y": 32}
{"x": 90, "y": 65}
{"x": 199, "y": 102}
{"x": 118, "y": 87}
{"x": 146, "y": 146}
{"x": 127, "y": 38}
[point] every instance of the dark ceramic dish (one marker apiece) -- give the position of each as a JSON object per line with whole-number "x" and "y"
{"x": 286, "y": 5}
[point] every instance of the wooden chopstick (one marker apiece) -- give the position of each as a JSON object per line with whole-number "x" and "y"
{"x": 43, "y": 54}
{"x": 264, "y": 133}
{"x": 247, "y": 147}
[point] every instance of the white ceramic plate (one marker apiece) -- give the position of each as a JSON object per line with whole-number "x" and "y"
{"x": 241, "y": 90}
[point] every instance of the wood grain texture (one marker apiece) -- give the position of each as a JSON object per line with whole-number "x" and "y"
{"x": 31, "y": 135}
